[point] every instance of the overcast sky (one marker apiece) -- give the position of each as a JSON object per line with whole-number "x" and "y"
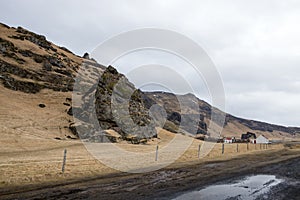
{"x": 254, "y": 44}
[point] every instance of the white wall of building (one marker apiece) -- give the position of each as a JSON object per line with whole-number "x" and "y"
{"x": 262, "y": 140}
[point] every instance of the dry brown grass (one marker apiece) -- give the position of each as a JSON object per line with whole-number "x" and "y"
{"x": 44, "y": 165}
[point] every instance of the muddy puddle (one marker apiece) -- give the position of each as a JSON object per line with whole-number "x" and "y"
{"x": 248, "y": 188}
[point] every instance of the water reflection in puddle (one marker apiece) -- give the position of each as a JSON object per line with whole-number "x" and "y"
{"x": 247, "y": 189}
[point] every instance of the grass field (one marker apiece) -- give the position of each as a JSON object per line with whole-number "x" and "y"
{"x": 44, "y": 165}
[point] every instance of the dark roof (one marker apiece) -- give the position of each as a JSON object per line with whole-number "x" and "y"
{"x": 248, "y": 135}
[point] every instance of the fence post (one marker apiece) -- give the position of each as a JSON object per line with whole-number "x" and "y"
{"x": 199, "y": 150}
{"x": 156, "y": 154}
{"x": 260, "y": 146}
{"x": 247, "y": 146}
{"x": 223, "y": 148}
{"x": 237, "y": 147}
{"x": 64, "y": 161}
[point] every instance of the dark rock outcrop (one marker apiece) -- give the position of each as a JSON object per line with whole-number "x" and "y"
{"x": 41, "y": 105}
{"x": 86, "y": 56}
{"x": 114, "y": 102}
{"x": 36, "y": 80}
{"x": 39, "y": 40}
{"x": 120, "y": 104}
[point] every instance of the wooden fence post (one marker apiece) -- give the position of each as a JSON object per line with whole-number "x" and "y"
{"x": 156, "y": 154}
{"x": 223, "y": 148}
{"x": 237, "y": 147}
{"x": 199, "y": 150}
{"x": 64, "y": 161}
{"x": 247, "y": 146}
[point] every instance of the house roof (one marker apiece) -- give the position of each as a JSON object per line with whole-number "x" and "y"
{"x": 263, "y": 136}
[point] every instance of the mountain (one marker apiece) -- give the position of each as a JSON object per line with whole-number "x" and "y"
{"x": 233, "y": 126}
{"x": 49, "y": 92}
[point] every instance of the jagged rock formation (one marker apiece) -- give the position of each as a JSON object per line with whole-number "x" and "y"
{"x": 116, "y": 104}
{"x": 120, "y": 106}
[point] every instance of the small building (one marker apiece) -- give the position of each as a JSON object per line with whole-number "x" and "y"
{"x": 262, "y": 140}
{"x": 228, "y": 139}
{"x": 248, "y": 137}
{"x": 253, "y": 140}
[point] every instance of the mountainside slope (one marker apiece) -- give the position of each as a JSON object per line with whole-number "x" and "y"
{"x": 30, "y": 63}
{"x": 233, "y": 126}
{"x": 37, "y": 83}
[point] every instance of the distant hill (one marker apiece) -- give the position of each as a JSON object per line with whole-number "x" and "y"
{"x": 37, "y": 80}
{"x": 233, "y": 126}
